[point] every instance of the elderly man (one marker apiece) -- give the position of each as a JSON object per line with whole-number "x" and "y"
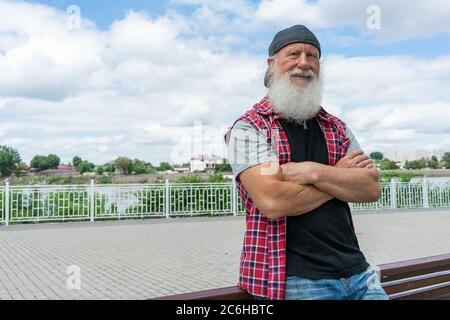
{"x": 296, "y": 168}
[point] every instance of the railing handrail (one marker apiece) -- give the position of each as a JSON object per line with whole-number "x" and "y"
{"x": 196, "y": 183}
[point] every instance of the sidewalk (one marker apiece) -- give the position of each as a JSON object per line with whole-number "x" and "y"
{"x": 150, "y": 258}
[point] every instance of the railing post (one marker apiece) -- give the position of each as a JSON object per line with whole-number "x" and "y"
{"x": 167, "y": 199}
{"x": 233, "y": 197}
{"x": 393, "y": 194}
{"x": 92, "y": 201}
{"x": 7, "y": 204}
{"x": 426, "y": 203}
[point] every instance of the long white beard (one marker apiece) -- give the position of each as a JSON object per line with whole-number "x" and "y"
{"x": 298, "y": 104}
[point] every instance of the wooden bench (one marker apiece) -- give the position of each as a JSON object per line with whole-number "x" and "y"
{"x": 418, "y": 279}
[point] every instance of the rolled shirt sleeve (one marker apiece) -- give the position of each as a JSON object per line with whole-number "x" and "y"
{"x": 247, "y": 147}
{"x": 354, "y": 144}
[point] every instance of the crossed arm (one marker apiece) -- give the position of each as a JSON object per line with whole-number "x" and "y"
{"x": 297, "y": 188}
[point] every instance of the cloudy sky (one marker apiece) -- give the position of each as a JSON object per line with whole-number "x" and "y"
{"x": 161, "y": 80}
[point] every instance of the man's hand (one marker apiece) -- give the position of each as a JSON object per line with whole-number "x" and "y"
{"x": 355, "y": 159}
{"x": 353, "y": 179}
{"x": 300, "y": 172}
{"x": 306, "y": 172}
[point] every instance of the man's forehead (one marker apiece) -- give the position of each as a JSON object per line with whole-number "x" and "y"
{"x": 300, "y": 46}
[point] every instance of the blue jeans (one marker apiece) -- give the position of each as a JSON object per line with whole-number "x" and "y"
{"x": 362, "y": 286}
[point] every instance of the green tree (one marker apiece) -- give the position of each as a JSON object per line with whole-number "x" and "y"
{"x": 387, "y": 164}
{"x": 125, "y": 164}
{"x": 9, "y": 161}
{"x": 150, "y": 169}
{"x": 164, "y": 166}
{"x": 76, "y": 161}
{"x": 111, "y": 168}
{"x": 190, "y": 179}
{"x": 432, "y": 164}
{"x": 376, "y": 155}
{"x": 100, "y": 170}
{"x": 446, "y": 159}
{"x": 434, "y": 158}
{"x": 85, "y": 166}
{"x": 217, "y": 178}
{"x": 139, "y": 167}
{"x": 415, "y": 164}
{"x": 40, "y": 163}
{"x": 223, "y": 168}
{"x": 45, "y": 162}
{"x": 82, "y": 166}
{"x": 386, "y": 176}
{"x": 53, "y": 161}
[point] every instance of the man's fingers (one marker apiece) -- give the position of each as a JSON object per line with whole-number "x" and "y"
{"x": 356, "y": 160}
{"x": 365, "y": 163}
{"x": 369, "y": 166}
{"x": 355, "y": 153}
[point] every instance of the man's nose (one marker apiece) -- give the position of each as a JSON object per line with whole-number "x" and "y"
{"x": 303, "y": 63}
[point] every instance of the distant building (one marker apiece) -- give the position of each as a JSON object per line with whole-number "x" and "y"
{"x": 205, "y": 163}
{"x": 63, "y": 166}
{"x": 25, "y": 171}
{"x": 62, "y": 170}
{"x": 181, "y": 170}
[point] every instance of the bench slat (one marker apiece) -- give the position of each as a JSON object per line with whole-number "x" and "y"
{"x": 437, "y": 291}
{"x": 415, "y": 267}
{"x": 402, "y": 285}
{"x": 228, "y": 293}
{"x": 425, "y": 278}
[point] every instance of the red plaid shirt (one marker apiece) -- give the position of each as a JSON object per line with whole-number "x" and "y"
{"x": 263, "y": 257}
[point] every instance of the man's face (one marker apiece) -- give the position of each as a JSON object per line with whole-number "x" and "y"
{"x": 299, "y": 60}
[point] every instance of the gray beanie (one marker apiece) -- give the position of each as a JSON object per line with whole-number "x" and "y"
{"x": 294, "y": 34}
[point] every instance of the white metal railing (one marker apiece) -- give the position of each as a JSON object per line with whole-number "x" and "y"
{"x": 2, "y": 204}
{"x": 47, "y": 203}
{"x": 200, "y": 198}
{"x": 383, "y": 203}
{"x": 92, "y": 202}
{"x": 128, "y": 201}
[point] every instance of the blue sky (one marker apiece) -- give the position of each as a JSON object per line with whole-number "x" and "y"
{"x": 104, "y": 13}
{"x": 140, "y": 77}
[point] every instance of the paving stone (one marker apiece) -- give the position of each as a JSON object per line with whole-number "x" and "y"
{"x": 150, "y": 258}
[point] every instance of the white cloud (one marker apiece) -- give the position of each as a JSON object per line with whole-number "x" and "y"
{"x": 400, "y": 19}
{"x": 65, "y": 91}
{"x": 288, "y": 11}
{"x": 138, "y": 88}
{"x": 42, "y": 57}
{"x": 391, "y": 101}
{"x": 402, "y": 127}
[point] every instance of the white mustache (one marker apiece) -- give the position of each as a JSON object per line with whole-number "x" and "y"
{"x": 302, "y": 73}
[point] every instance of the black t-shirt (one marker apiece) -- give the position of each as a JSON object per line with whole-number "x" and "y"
{"x": 321, "y": 244}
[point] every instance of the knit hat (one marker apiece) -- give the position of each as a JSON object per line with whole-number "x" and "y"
{"x": 294, "y": 34}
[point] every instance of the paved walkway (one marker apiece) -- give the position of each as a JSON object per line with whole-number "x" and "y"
{"x": 151, "y": 258}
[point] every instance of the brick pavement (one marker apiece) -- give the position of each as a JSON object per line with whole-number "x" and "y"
{"x": 150, "y": 258}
